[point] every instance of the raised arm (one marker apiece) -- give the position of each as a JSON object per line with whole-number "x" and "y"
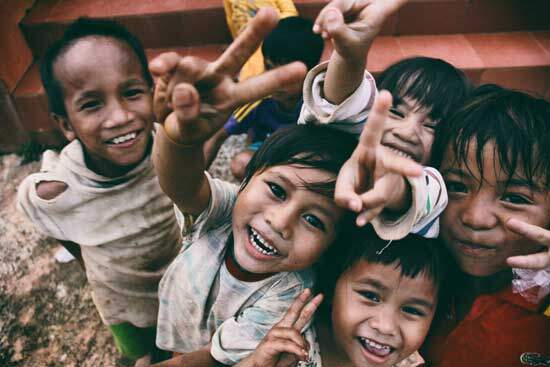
{"x": 352, "y": 26}
{"x": 193, "y": 99}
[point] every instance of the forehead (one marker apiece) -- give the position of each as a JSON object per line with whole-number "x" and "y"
{"x": 299, "y": 175}
{"x": 490, "y": 167}
{"x": 96, "y": 59}
{"x": 388, "y": 278}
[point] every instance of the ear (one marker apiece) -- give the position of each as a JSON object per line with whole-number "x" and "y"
{"x": 64, "y": 125}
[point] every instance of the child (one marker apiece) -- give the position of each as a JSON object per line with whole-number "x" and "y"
{"x": 495, "y": 158}
{"x": 100, "y": 194}
{"x": 249, "y": 250}
{"x": 425, "y": 92}
{"x": 291, "y": 40}
{"x": 239, "y": 12}
{"x": 382, "y": 300}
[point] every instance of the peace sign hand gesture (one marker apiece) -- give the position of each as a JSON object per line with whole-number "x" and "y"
{"x": 284, "y": 345}
{"x": 194, "y": 97}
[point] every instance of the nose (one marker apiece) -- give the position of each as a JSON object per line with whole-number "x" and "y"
{"x": 385, "y": 321}
{"x": 478, "y": 214}
{"x": 280, "y": 218}
{"x": 118, "y": 114}
{"x": 408, "y": 130}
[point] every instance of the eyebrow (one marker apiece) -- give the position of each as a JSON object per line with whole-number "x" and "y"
{"x": 522, "y": 182}
{"x": 373, "y": 282}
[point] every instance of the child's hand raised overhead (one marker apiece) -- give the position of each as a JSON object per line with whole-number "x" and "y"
{"x": 193, "y": 97}
{"x": 541, "y": 236}
{"x": 284, "y": 345}
{"x": 373, "y": 178}
{"x": 353, "y": 24}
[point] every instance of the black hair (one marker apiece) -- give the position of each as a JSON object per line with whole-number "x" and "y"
{"x": 308, "y": 146}
{"x": 293, "y": 40}
{"x": 412, "y": 256}
{"x": 432, "y": 83}
{"x": 517, "y": 123}
{"x": 81, "y": 28}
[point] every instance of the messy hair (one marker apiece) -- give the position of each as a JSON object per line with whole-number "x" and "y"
{"x": 81, "y": 28}
{"x": 307, "y": 146}
{"x": 433, "y": 84}
{"x": 518, "y": 125}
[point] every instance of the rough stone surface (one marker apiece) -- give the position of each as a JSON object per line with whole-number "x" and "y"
{"x": 47, "y": 317}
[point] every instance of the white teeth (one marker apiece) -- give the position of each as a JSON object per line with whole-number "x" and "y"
{"x": 261, "y": 244}
{"x": 401, "y": 153}
{"x": 380, "y": 347}
{"x": 123, "y": 138}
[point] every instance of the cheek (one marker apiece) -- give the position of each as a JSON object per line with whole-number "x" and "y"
{"x": 414, "y": 334}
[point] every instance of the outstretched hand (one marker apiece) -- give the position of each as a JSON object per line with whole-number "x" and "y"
{"x": 193, "y": 97}
{"x": 541, "y": 236}
{"x": 372, "y": 179}
{"x": 353, "y": 24}
{"x": 284, "y": 345}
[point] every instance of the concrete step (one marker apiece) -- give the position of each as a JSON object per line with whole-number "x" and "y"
{"x": 518, "y": 60}
{"x": 177, "y": 23}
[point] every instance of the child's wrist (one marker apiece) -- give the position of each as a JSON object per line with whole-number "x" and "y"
{"x": 180, "y": 144}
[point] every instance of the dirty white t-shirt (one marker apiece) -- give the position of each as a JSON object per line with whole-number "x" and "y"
{"x": 201, "y": 302}
{"x": 125, "y": 227}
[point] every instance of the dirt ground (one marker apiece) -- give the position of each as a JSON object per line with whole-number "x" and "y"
{"x": 47, "y": 317}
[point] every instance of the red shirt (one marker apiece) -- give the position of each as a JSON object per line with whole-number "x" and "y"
{"x": 502, "y": 330}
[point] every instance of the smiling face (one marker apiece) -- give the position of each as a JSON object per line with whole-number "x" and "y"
{"x": 380, "y": 317}
{"x": 108, "y": 103}
{"x": 280, "y": 225}
{"x": 409, "y": 130}
{"x": 474, "y": 224}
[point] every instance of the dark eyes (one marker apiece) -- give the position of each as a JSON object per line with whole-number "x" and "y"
{"x": 134, "y": 92}
{"x": 90, "y": 105}
{"x": 413, "y": 311}
{"x": 277, "y": 190}
{"x": 370, "y": 296}
{"x": 396, "y": 113}
{"x": 516, "y": 199}
{"x": 314, "y": 221}
{"x": 455, "y": 186}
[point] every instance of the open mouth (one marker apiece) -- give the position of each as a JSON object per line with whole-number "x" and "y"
{"x": 124, "y": 139}
{"x": 400, "y": 152}
{"x": 260, "y": 244}
{"x": 377, "y": 351}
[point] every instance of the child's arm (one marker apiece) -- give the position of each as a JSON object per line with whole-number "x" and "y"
{"x": 538, "y": 261}
{"x": 194, "y": 97}
{"x": 199, "y": 358}
{"x": 352, "y": 26}
{"x": 373, "y": 179}
{"x": 284, "y": 344}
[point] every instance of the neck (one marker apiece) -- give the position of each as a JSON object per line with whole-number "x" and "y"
{"x": 489, "y": 284}
{"x": 111, "y": 170}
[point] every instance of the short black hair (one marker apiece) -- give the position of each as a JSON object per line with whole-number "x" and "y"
{"x": 412, "y": 256}
{"x": 81, "y": 28}
{"x": 517, "y": 123}
{"x": 293, "y": 40}
{"x": 308, "y": 146}
{"x": 432, "y": 83}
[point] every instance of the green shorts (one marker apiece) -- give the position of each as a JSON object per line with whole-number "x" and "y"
{"x": 135, "y": 342}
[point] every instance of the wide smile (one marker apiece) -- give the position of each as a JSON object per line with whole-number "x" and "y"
{"x": 400, "y": 151}
{"x": 375, "y": 352}
{"x": 126, "y": 140}
{"x": 260, "y": 247}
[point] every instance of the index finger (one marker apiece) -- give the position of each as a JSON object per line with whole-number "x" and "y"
{"x": 240, "y": 50}
{"x": 294, "y": 310}
{"x": 374, "y": 128}
{"x": 535, "y": 233}
{"x": 307, "y": 312}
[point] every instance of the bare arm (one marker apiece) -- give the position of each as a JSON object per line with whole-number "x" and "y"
{"x": 199, "y": 358}
{"x": 193, "y": 98}
{"x": 352, "y": 26}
